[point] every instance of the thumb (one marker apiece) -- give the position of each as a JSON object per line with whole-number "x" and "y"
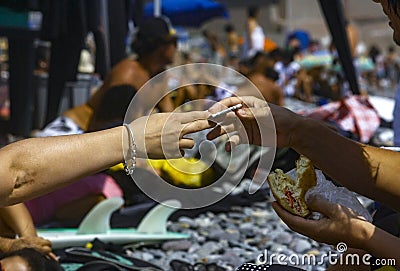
{"x": 318, "y": 204}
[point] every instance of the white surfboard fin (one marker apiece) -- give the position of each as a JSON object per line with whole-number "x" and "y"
{"x": 156, "y": 219}
{"x": 98, "y": 219}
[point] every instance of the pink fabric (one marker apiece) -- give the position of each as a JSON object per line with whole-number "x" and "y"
{"x": 43, "y": 208}
{"x": 354, "y": 114}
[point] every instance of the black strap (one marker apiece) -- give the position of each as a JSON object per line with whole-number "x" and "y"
{"x": 262, "y": 267}
{"x": 100, "y": 266}
{"x": 83, "y": 255}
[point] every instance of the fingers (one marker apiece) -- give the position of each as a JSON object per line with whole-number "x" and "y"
{"x": 216, "y": 132}
{"x": 44, "y": 249}
{"x": 296, "y": 223}
{"x": 196, "y": 126}
{"x": 245, "y": 113}
{"x": 52, "y": 256}
{"x": 322, "y": 206}
{"x": 186, "y": 143}
{"x": 193, "y": 116}
{"x": 41, "y": 244}
{"x": 233, "y": 141}
{"x": 224, "y": 104}
{"x": 247, "y": 101}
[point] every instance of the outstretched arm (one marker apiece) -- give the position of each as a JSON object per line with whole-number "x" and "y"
{"x": 36, "y": 166}
{"x": 370, "y": 171}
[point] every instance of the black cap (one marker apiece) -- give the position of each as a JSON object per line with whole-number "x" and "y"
{"x": 152, "y": 34}
{"x": 155, "y": 29}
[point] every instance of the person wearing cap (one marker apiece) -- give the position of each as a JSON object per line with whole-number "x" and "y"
{"x": 155, "y": 48}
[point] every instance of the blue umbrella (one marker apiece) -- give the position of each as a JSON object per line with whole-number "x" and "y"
{"x": 189, "y": 13}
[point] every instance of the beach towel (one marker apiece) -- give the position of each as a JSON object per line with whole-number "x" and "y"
{"x": 354, "y": 114}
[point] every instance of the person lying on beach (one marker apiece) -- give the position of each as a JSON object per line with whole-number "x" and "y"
{"x": 155, "y": 48}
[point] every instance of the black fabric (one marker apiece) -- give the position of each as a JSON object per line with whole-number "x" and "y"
{"x": 389, "y": 221}
{"x": 21, "y": 5}
{"x": 103, "y": 256}
{"x": 64, "y": 60}
{"x": 66, "y": 24}
{"x": 262, "y": 267}
{"x": 333, "y": 12}
{"x": 136, "y": 12}
{"x": 118, "y": 29}
{"x": 22, "y": 94}
{"x": 111, "y": 110}
{"x": 100, "y": 266}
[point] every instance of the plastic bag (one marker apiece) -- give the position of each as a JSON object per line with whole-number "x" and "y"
{"x": 329, "y": 191}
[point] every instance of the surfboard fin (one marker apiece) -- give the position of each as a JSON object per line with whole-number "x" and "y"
{"x": 156, "y": 219}
{"x": 98, "y": 219}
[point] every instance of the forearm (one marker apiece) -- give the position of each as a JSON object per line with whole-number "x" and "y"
{"x": 18, "y": 219}
{"x": 382, "y": 244}
{"x": 37, "y": 166}
{"x": 364, "y": 169}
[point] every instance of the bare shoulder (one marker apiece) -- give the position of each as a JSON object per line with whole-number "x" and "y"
{"x": 259, "y": 80}
{"x": 128, "y": 72}
{"x": 124, "y": 68}
{"x": 268, "y": 89}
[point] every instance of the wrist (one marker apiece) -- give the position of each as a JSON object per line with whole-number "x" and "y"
{"x": 5, "y": 244}
{"x": 364, "y": 231}
{"x": 300, "y": 131}
{"x": 130, "y": 154}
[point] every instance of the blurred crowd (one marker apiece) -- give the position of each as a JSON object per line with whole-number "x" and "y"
{"x": 303, "y": 67}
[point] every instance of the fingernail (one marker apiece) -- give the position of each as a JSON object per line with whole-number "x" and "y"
{"x": 228, "y": 146}
{"x": 242, "y": 112}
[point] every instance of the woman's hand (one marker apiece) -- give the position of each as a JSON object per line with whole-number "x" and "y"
{"x": 38, "y": 243}
{"x": 340, "y": 224}
{"x": 162, "y": 135}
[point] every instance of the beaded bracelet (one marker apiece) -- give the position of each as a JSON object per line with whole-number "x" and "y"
{"x": 130, "y": 161}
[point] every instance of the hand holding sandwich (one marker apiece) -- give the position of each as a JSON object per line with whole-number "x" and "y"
{"x": 339, "y": 224}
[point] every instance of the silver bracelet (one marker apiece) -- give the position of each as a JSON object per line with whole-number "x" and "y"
{"x": 130, "y": 161}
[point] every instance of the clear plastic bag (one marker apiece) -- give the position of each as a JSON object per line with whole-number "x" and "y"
{"x": 329, "y": 191}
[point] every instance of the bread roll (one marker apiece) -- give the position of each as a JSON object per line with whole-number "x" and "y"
{"x": 290, "y": 193}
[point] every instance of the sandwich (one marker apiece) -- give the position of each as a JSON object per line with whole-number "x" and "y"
{"x": 289, "y": 192}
